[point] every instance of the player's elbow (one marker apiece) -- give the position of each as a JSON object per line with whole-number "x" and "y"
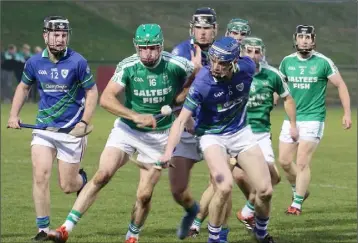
{"x": 104, "y": 101}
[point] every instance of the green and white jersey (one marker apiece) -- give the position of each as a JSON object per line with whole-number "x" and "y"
{"x": 307, "y": 80}
{"x": 267, "y": 81}
{"x": 148, "y": 89}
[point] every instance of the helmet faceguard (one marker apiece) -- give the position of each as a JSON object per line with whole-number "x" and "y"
{"x": 223, "y": 55}
{"x": 56, "y": 32}
{"x": 253, "y": 47}
{"x": 204, "y": 18}
{"x": 238, "y": 26}
{"x": 149, "y": 42}
{"x": 301, "y": 32}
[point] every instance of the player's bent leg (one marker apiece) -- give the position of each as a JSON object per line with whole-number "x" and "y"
{"x": 305, "y": 152}
{"x": 185, "y": 155}
{"x": 246, "y": 214}
{"x": 242, "y": 181}
{"x": 70, "y": 151}
{"x": 204, "y": 209}
{"x": 42, "y": 159}
{"x": 69, "y": 178}
{"x": 149, "y": 177}
{"x": 216, "y": 158}
{"x": 287, "y": 151}
{"x": 179, "y": 180}
{"x": 112, "y": 158}
{"x": 252, "y": 161}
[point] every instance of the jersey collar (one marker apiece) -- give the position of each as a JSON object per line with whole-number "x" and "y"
{"x": 45, "y": 53}
{"x": 304, "y": 59}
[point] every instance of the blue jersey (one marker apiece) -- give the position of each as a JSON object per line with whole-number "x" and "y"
{"x": 184, "y": 49}
{"x": 61, "y": 86}
{"x": 220, "y": 106}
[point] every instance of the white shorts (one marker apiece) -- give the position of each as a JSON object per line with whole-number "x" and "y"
{"x": 264, "y": 141}
{"x": 188, "y": 147}
{"x": 234, "y": 144}
{"x": 307, "y": 130}
{"x": 69, "y": 148}
{"x": 149, "y": 145}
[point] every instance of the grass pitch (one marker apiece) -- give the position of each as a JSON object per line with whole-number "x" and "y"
{"x": 329, "y": 215}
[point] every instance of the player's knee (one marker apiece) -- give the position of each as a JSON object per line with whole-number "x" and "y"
{"x": 223, "y": 183}
{"x": 302, "y": 166}
{"x": 144, "y": 197}
{"x": 67, "y": 186}
{"x": 285, "y": 163}
{"x": 101, "y": 178}
{"x": 264, "y": 192}
{"x": 41, "y": 177}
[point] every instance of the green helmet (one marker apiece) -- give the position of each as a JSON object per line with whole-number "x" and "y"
{"x": 239, "y": 26}
{"x": 148, "y": 35}
{"x": 253, "y": 42}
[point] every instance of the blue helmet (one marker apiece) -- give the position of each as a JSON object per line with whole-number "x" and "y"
{"x": 226, "y": 49}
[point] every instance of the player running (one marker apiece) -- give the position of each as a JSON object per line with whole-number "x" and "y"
{"x": 68, "y": 98}
{"x": 238, "y": 29}
{"x": 266, "y": 82}
{"x": 150, "y": 79}
{"x": 203, "y": 29}
{"x": 218, "y": 97}
{"x": 307, "y": 72}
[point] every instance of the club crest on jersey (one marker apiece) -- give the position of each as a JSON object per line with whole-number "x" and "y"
{"x": 240, "y": 87}
{"x": 313, "y": 70}
{"x": 64, "y": 73}
{"x": 88, "y": 70}
{"x": 252, "y": 88}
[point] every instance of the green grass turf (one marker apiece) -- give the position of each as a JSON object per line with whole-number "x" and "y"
{"x": 329, "y": 215}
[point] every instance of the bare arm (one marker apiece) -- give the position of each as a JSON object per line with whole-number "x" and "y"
{"x": 176, "y": 131}
{"x": 21, "y": 93}
{"x": 290, "y": 108}
{"x": 180, "y": 98}
{"x": 91, "y": 103}
{"x": 337, "y": 80}
{"x": 110, "y": 102}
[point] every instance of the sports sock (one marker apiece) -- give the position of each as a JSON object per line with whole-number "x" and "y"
{"x": 133, "y": 231}
{"x": 297, "y": 201}
{"x": 214, "y": 232}
{"x": 248, "y": 210}
{"x": 196, "y": 224}
{"x": 72, "y": 219}
{"x": 43, "y": 223}
{"x": 261, "y": 227}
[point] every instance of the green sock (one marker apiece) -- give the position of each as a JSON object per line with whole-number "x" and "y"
{"x": 72, "y": 219}
{"x": 133, "y": 228}
{"x": 250, "y": 205}
{"x": 297, "y": 201}
{"x": 197, "y": 222}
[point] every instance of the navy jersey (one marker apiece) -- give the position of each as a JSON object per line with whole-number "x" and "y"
{"x": 184, "y": 49}
{"x": 220, "y": 106}
{"x": 61, "y": 86}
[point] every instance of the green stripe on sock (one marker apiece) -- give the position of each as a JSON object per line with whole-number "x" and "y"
{"x": 250, "y": 205}
{"x": 133, "y": 228}
{"x": 74, "y": 216}
{"x": 298, "y": 199}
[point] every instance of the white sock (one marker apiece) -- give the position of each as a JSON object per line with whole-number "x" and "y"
{"x": 46, "y": 230}
{"x": 296, "y": 205}
{"x": 248, "y": 210}
{"x": 69, "y": 225}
